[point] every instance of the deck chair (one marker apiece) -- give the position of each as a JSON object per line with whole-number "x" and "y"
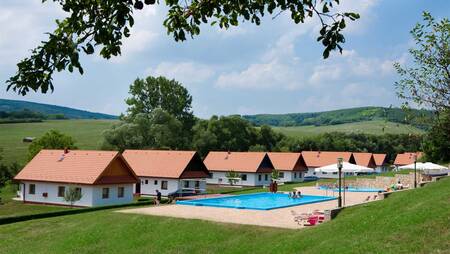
{"x": 311, "y": 221}
{"x": 367, "y": 199}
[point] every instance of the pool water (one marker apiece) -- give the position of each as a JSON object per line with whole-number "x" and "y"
{"x": 352, "y": 189}
{"x": 257, "y": 201}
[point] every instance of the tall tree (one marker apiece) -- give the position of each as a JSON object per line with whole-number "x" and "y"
{"x": 51, "y": 140}
{"x": 92, "y": 24}
{"x": 427, "y": 82}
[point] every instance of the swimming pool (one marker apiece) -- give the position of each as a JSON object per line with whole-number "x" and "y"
{"x": 352, "y": 189}
{"x": 256, "y": 201}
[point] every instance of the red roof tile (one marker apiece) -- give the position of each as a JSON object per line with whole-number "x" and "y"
{"x": 164, "y": 163}
{"x": 76, "y": 166}
{"x": 238, "y": 161}
{"x": 406, "y": 158}
{"x": 364, "y": 159}
{"x": 287, "y": 161}
{"x": 315, "y": 159}
{"x": 380, "y": 158}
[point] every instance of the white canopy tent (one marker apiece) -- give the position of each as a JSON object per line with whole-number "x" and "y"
{"x": 427, "y": 167}
{"x": 346, "y": 168}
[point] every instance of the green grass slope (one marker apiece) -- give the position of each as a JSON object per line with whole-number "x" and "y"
{"x": 47, "y": 109}
{"x": 414, "y": 221}
{"x": 367, "y": 127}
{"x": 87, "y": 135}
{"x": 340, "y": 116}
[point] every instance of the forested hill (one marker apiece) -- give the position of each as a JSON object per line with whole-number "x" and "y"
{"x": 340, "y": 116}
{"x": 47, "y": 109}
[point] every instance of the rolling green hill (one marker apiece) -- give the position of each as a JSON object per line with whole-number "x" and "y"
{"x": 87, "y": 135}
{"x": 47, "y": 109}
{"x": 341, "y": 116}
{"x": 366, "y": 127}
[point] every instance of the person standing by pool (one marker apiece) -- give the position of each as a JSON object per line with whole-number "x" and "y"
{"x": 158, "y": 197}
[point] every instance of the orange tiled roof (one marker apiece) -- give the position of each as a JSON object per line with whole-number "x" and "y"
{"x": 76, "y": 166}
{"x": 160, "y": 163}
{"x": 315, "y": 159}
{"x": 363, "y": 159}
{"x": 406, "y": 158}
{"x": 236, "y": 161}
{"x": 379, "y": 158}
{"x": 287, "y": 161}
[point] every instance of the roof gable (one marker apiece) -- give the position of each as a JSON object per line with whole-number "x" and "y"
{"x": 315, "y": 159}
{"x": 160, "y": 163}
{"x": 287, "y": 161}
{"x": 251, "y": 162}
{"x": 380, "y": 158}
{"x": 76, "y": 166}
{"x": 364, "y": 159}
{"x": 406, "y": 158}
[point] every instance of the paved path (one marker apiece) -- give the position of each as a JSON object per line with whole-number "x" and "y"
{"x": 281, "y": 218}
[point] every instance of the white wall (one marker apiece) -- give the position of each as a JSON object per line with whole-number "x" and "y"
{"x": 91, "y": 194}
{"x": 291, "y": 176}
{"x": 219, "y": 177}
{"x": 148, "y": 186}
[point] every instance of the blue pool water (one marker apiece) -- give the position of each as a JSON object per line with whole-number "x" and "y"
{"x": 352, "y": 189}
{"x": 257, "y": 201}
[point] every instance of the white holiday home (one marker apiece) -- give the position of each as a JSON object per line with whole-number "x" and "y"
{"x": 291, "y": 166}
{"x": 102, "y": 177}
{"x": 253, "y": 168}
{"x": 167, "y": 171}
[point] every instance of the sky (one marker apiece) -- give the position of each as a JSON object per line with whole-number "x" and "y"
{"x": 276, "y": 67}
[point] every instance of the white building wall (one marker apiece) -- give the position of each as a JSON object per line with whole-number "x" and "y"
{"x": 149, "y": 185}
{"x": 113, "y": 199}
{"x": 253, "y": 179}
{"x": 91, "y": 194}
{"x": 291, "y": 176}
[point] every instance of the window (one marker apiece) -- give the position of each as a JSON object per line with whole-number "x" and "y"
{"x": 163, "y": 185}
{"x": 186, "y": 184}
{"x": 120, "y": 192}
{"x": 266, "y": 177}
{"x": 146, "y": 181}
{"x": 105, "y": 193}
{"x": 61, "y": 191}
{"x": 334, "y": 173}
{"x": 210, "y": 175}
{"x": 156, "y": 182}
{"x": 324, "y": 173}
{"x": 314, "y": 173}
{"x": 32, "y": 189}
{"x": 197, "y": 184}
{"x": 244, "y": 177}
{"x": 295, "y": 175}
{"x": 281, "y": 174}
{"x": 78, "y": 190}
{"x": 259, "y": 177}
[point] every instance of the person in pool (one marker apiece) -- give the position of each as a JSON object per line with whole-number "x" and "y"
{"x": 299, "y": 194}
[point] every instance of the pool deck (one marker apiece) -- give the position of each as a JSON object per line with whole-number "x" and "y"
{"x": 280, "y": 218}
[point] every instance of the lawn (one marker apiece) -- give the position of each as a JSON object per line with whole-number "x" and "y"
{"x": 87, "y": 134}
{"x": 368, "y": 127}
{"x": 407, "y": 222}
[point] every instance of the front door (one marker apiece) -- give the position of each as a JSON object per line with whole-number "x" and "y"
{"x": 138, "y": 188}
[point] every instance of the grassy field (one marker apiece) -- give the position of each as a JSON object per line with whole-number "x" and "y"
{"x": 407, "y": 222}
{"x": 368, "y": 127}
{"x": 87, "y": 134}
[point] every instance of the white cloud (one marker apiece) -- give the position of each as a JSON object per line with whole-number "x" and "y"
{"x": 187, "y": 72}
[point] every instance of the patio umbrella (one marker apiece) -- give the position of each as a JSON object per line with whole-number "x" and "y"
{"x": 427, "y": 167}
{"x": 346, "y": 167}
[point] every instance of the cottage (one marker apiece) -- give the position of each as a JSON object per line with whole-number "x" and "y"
{"x": 169, "y": 172}
{"x": 290, "y": 165}
{"x": 253, "y": 168}
{"x": 380, "y": 162}
{"x": 406, "y": 159}
{"x": 365, "y": 160}
{"x": 102, "y": 178}
{"x": 317, "y": 159}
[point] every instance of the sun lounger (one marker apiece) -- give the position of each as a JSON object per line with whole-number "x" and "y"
{"x": 367, "y": 199}
{"x": 311, "y": 221}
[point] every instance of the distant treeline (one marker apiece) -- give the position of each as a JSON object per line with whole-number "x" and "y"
{"x": 397, "y": 115}
{"x": 27, "y": 116}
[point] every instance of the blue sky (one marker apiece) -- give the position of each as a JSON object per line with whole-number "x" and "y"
{"x": 274, "y": 68}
